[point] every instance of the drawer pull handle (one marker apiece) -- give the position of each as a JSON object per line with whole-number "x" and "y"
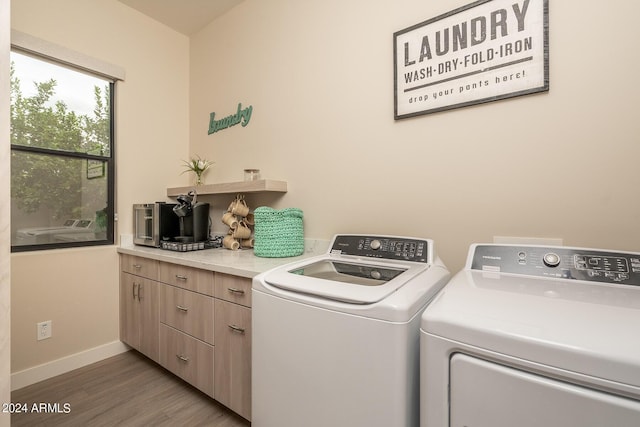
{"x": 181, "y": 308}
{"x": 137, "y": 266}
{"x": 237, "y": 329}
{"x": 236, "y": 291}
{"x": 179, "y": 277}
{"x": 182, "y": 358}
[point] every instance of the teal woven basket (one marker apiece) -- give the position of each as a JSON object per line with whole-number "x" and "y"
{"x": 278, "y": 233}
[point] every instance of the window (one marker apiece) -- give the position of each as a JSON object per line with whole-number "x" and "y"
{"x": 62, "y": 155}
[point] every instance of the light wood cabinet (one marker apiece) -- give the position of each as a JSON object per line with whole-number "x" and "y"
{"x": 190, "y": 278}
{"x": 139, "y": 266}
{"x": 139, "y": 314}
{"x": 233, "y": 289}
{"x": 232, "y": 367}
{"x": 187, "y": 357}
{"x": 187, "y": 311}
{"x": 187, "y": 324}
{"x": 194, "y": 322}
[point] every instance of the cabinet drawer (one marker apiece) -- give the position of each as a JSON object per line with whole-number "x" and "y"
{"x": 187, "y": 311}
{"x": 193, "y": 279}
{"x": 139, "y": 266}
{"x": 187, "y": 357}
{"x": 232, "y": 365}
{"x": 233, "y": 288}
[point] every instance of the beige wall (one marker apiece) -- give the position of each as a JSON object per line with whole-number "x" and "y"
{"x": 319, "y": 76}
{"x": 78, "y": 289}
{"x": 5, "y": 238}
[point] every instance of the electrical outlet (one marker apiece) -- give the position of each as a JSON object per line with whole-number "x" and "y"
{"x": 44, "y": 330}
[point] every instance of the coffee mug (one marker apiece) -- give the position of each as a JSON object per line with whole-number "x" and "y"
{"x": 242, "y": 231}
{"x": 250, "y": 219}
{"x": 239, "y": 207}
{"x": 230, "y": 219}
{"x": 230, "y": 243}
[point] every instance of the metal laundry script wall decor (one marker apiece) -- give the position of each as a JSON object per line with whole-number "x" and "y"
{"x": 485, "y": 51}
{"x": 242, "y": 116}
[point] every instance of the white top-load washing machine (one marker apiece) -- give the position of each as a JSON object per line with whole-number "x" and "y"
{"x": 336, "y": 337}
{"x": 534, "y": 336}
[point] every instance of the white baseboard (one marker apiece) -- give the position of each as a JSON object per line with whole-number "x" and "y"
{"x": 69, "y": 363}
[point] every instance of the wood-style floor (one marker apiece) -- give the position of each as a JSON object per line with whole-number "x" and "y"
{"x": 124, "y": 390}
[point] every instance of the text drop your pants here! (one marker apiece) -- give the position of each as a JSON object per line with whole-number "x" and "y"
{"x": 459, "y": 89}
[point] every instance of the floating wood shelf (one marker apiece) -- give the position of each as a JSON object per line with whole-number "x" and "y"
{"x": 261, "y": 185}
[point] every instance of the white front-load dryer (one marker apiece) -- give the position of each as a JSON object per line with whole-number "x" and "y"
{"x": 336, "y": 337}
{"x": 534, "y": 336}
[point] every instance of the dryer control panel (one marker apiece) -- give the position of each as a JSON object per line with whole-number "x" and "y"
{"x": 560, "y": 262}
{"x": 386, "y": 247}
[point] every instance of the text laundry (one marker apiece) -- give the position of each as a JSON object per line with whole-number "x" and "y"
{"x": 243, "y": 115}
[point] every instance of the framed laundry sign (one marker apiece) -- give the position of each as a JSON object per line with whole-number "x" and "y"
{"x": 485, "y": 51}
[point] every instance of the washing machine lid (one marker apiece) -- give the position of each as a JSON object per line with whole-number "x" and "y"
{"x": 552, "y": 319}
{"x": 349, "y": 272}
{"x": 345, "y": 279}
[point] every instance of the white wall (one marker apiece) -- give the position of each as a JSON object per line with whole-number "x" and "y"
{"x": 319, "y": 76}
{"x": 78, "y": 288}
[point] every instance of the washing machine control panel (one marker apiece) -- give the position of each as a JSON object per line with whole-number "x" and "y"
{"x": 394, "y": 248}
{"x": 560, "y": 262}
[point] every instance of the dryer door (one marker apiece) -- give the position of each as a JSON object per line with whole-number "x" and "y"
{"x": 485, "y": 394}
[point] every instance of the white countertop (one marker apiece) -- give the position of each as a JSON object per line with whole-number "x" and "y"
{"x": 241, "y": 263}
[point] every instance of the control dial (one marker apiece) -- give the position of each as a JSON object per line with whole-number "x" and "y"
{"x": 375, "y": 244}
{"x": 551, "y": 259}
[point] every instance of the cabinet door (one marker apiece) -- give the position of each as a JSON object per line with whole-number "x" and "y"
{"x": 149, "y": 318}
{"x": 232, "y": 364}
{"x": 139, "y": 314}
{"x": 129, "y": 310}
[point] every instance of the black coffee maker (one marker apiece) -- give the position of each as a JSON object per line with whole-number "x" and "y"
{"x": 194, "y": 218}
